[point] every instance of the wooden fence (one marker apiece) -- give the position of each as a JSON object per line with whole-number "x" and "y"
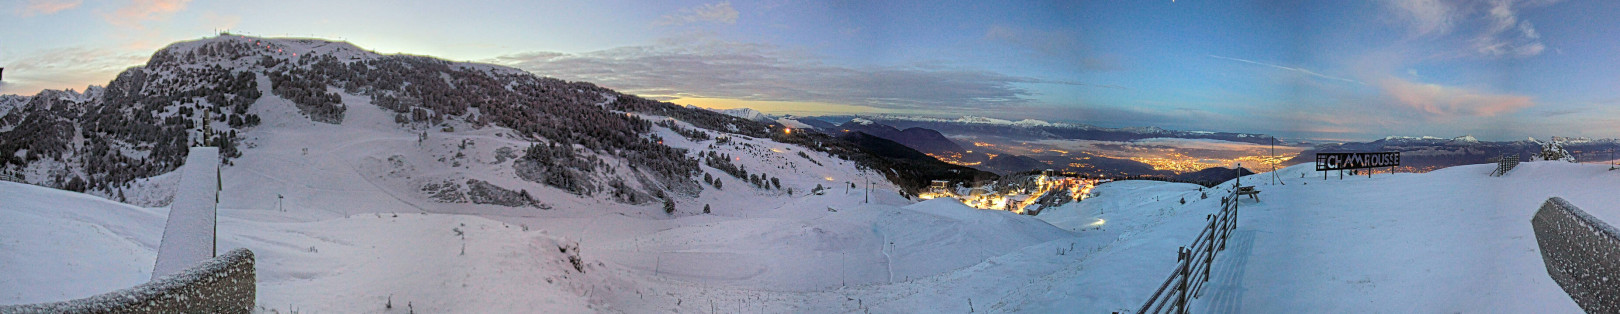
{"x": 1505, "y": 164}
{"x": 1193, "y": 262}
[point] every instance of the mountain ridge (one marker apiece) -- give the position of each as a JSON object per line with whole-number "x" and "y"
{"x": 585, "y": 139}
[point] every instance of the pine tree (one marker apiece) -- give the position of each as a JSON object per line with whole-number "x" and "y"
{"x": 705, "y": 208}
{"x": 669, "y": 206}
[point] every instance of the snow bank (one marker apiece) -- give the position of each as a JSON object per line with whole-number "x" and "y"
{"x": 58, "y": 245}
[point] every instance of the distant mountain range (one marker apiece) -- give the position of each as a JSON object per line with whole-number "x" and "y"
{"x": 921, "y": 139}
{"x": 1037, "y": 129}
{"x": 1024, "y": 129}
{"x": 1429, "y": 153}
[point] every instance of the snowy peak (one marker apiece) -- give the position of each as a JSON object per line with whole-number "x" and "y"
{"x": 1411, "y": 138}
{"x": 1027, "y": 123}
{"x": 1465, "y": 139}
{"x": 1562, "y": 139}
{"x": 746, "y": 113}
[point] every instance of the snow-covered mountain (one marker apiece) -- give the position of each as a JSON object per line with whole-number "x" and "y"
{"x": 923, "y": 140}
{"x": 9, "y": 103}
{"x": 573, "y": 136}
{"x": 746, "y": 113}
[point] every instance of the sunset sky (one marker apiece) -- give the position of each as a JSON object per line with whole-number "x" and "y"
{"x": 1337, "y": 70}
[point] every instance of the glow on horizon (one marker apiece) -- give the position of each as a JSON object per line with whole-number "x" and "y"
{"x": 777, "y": 107}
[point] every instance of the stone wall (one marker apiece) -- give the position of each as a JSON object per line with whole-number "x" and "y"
{"x": 1582, "y": 254}
{"x": 223, "y": 284}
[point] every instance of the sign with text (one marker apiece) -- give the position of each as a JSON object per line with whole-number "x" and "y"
{"x": 1342, "y": 161}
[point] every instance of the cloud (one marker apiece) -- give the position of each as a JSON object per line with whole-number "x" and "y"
{"x": 761, "y": 72}
{"x": 1293, "y": 69}
{"x": 719, "y": 13}
{"x": 1426, "y": 16}
{"x": 1443, "y": 102}
{"x": 1501, "y": 33}
{"x": 139, "y": 12}
{"x": 66, "y": 68}
{"x": 46, "y": 7}
{"x": 1505, "y": 34}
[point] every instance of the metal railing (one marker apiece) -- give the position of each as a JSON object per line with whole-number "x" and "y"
{"x": 1193, "y": 262}
{"x": 1505, "y": 164}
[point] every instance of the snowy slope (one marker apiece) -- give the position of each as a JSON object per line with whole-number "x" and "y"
{"x": 1459, "y": 236}
{"x": 63, "y": 245}
{"x": 58, "y": 245}
{"x": 333, "y": 244}
{"x": 1314, "y": 244}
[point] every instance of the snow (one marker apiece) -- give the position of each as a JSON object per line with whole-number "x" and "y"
{"x": 1356, "y": 245}
{"x": 793, "y": 123}
{"x": 745, "y": 113}
{"x": 1364, "y": 245}
{"x": 338, "y": 222}
{"x": 188, "y": 237}
{"x": 58, "y": 245}
{"x": 9, "y": 103}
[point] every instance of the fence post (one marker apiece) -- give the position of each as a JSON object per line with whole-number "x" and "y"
{"x": 1209, "y": 250}
{"x": 1186, "y": 270}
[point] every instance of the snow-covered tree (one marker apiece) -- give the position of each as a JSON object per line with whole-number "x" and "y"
{"x": 1554, "y": 150}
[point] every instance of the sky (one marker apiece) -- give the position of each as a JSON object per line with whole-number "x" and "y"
{"x": 1322, "y": 70}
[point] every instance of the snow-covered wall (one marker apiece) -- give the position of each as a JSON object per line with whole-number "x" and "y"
{"x": 224, "y": 284}
{"x": 188, "y": 236}
{"x": 1582, "y": 254}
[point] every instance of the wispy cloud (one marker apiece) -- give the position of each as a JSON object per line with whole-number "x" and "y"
{"x": 1503, "y": 32}
{"x": 139, "y": 12}
{"x": 767, "y": 73}
{"x": 66, "y": 68}
{"x": 1506, "y": 34}
{"x": 1426, "y": 17}
{"x": 46, "y": 7}
{"x": 1293, "y": 69}
{"x": 1444, "y": 102}
{"x": 719, "y": 13}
